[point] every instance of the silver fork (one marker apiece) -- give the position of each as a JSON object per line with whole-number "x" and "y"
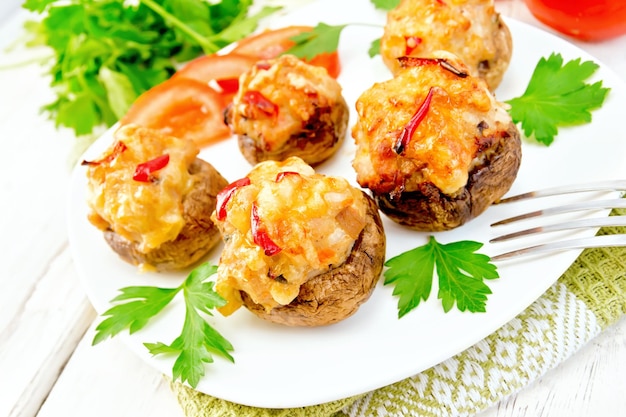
{"x": 560, "y": 245}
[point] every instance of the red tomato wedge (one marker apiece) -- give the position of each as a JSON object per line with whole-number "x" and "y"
{"x": 183, "y": 108}
{"x": 271, "y": 43}
{"x": 224, "y": 70}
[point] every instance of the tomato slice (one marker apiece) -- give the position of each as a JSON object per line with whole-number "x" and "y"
{"x": 183, "y": 108}
{"x": 328, "y": 60}
{"x": 271, "y": 43}
{"x": 224, "y": 70}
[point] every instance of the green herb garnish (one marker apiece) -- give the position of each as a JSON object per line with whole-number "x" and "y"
{"x": 374, "y": 48}
{"x": 385, "y": 4}
{"x": 107, "y": 52}
{"x": 197, "y": 341}
{"x": 322, "y": 39}
{"x": 459, "y": 269}
{"x": 557, "y": 95}
{"x": 325, "y": 38}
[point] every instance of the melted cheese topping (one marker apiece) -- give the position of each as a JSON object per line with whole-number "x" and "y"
{"x": 148, "y": 213}
{"x": 296, "y": 88}
{"x": 466, "y": 28}
{"x": 314, "y": 220}
{"x": 459, "y": 123}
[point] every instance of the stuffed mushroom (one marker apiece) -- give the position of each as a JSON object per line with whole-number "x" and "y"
{"x": 433, "y": 145}
{"x": 153, "y": 199}
{"x": 470, "y": 29}
{"x": 285, "y": 107}
{"x": 301, "y": 248}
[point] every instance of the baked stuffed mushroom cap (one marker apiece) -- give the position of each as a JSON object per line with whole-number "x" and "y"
{"x": 153, "y": 199}
{"x": 301, "y": 249}
{"x": 434, "y": 146}
{"x": 470, "y": 29}
{"x": 285, "y": 107}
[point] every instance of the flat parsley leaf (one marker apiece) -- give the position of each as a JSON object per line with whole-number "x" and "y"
{"x": 460, "y": 270}
{"x": 194, "y": 346}
{"x": 374, "y": 48}
{"x": 322, "y": 39}
{"x": 385, "y": 4}
{"x": 382, "y": 5}
{"x": 197, "y": 340}
{"x": 557, "y": 95}
{"x": 142, "y": 304}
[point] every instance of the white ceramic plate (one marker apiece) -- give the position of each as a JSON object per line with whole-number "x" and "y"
{"x": 277, "y": 366}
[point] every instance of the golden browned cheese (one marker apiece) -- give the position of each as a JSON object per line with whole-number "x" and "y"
{"x": 468, "y": 28}
{"x": 313, "y": 219}
{"x": 445, "y": 143}
{"x": 149, "y": 213}
{"x": 297, "y": 90}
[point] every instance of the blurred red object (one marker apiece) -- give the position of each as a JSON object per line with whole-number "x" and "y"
{"x": 588, "y": 20}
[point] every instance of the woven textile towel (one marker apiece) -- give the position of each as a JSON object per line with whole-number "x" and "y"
{"x": 590, "y": 296}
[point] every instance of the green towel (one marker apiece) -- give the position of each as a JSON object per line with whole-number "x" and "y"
{"x": 589, "y": 297}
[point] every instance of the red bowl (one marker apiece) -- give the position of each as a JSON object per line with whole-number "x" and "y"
{"x": 588, "y": 20}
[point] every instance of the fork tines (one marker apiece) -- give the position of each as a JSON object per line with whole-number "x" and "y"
{"x": 604, "y": 241}
{"x": 584, "y": 205}
{"x": 595, "y": 241}
{"x": 613, "y": 185}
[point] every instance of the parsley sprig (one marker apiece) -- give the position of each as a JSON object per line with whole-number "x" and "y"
{"x": 557, "y": 95}
{"x": 197, "y": 341}
{"x": 460, "y": 270}
{"x": 106, "y": 53}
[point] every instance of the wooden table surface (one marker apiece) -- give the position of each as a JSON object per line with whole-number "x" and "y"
{"x": 47, "y": 364}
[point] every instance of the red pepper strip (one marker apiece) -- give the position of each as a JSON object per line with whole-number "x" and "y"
{"x": 411, "y": 42}
{"x": 228, "y": 85}
{"x": 260, "y": 235}
{"x": 409, "y": 129}
{"x": 415, "y": 61}
{"x": 258, "y": 100}
{"x": 117, "y": 150}
{"x": 224, "y": 196}
{"x": 144, "y": 171}
{"x": 263, "y": 65}
{"x": 281, "y": 175}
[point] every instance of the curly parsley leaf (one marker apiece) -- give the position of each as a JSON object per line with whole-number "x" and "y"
{"x": 461, "y": 273}
{"x": 197, "y": 342}
{"x": 322, "y": 39}
{"x": 557, "y": 95}
{"x": 385, "y": 4}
